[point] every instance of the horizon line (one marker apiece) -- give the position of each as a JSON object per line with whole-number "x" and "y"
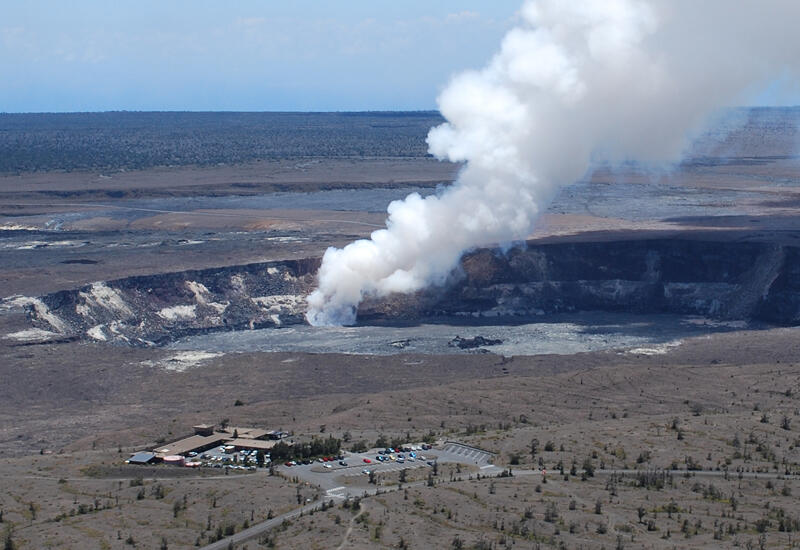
{"x": 345, "y": 111}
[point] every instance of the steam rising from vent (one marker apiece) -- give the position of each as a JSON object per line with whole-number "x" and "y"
{"x": 574, "y": 83}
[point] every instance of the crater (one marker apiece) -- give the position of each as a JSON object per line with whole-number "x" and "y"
{"x": 718, "y": 280}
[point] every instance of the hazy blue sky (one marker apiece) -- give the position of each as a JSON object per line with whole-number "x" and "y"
{"x": 90, "y": 55}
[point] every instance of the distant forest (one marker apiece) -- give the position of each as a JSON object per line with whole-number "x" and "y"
{"x": 136, "y": 140}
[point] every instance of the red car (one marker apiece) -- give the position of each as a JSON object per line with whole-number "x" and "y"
{"x": 367, "y": 460}
{"x": 289, "y": 464}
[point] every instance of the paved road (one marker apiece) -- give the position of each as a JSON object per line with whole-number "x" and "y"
{"x": 675, "y": 473}
{"x": 260, "y": 528}
{"x": 702, "y": 473}
{"x": 199, "y": 477}
{"x": 335, "y": 493}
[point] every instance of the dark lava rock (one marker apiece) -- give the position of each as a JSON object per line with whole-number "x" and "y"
{"x": 401, "y": 344}
{"x": 472, "y": 343}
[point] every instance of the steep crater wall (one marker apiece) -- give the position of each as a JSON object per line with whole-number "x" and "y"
{"x": 724, "y": 280}
{"x": 155, "y": 309}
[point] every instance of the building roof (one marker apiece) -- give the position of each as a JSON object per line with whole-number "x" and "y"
{"x": 142, "y": 457}
{"x": 191, "y": 443}
{"x": 247, "y": 433}
{"x": 251, "y": 443}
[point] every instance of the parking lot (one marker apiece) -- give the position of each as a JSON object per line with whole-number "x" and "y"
{"x": 222, "y": 457}
{"x": 331, "y": 475}
{"x": 458, "y": 452}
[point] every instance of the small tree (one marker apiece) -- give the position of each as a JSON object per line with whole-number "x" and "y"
{"x": 588, "y": 467}
{"x": 551, "y": 512}
{"x": 534, "y": 447}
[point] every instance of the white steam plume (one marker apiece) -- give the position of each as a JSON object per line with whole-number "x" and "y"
{"x": 575, "y": 82}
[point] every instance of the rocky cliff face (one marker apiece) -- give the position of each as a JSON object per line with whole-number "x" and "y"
{"x": 725, "y": 280}
{"x": 155, "y": 309}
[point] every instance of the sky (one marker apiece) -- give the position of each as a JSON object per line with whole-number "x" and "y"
{"x": 247, "y": 55}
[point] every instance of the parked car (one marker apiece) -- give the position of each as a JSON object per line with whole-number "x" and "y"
{"x": 367, "y": 461}
{"x": 342, "y": 463}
